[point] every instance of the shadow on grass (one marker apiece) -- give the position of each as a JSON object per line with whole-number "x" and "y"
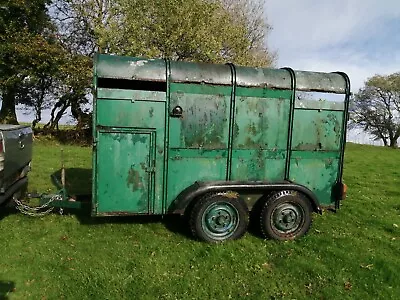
{"x": 6, "y": 210}
{"x": 6, "y": 287}
{"x": 79, "y": 186}
{"x": 173, "y": 223}
{"x": 78, "y": 181}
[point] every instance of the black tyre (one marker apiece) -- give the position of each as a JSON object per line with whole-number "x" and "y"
{"x": 286, "y": 215}
{"x": 219, "y": 217}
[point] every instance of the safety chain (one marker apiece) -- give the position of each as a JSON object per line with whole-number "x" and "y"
{"x": 36, "y": 211}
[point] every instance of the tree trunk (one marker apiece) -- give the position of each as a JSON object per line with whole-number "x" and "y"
{"x": 62, "y": 106}
{"x": 7, "y": 112}
{"x": 393, "y": 143}
{"x": 385, "y": 143}
{"x": 58, "y": 117}
{"x": 38, "y": 118}
{"x": 81, "y": 117}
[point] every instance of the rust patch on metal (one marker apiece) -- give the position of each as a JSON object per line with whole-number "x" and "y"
{"x": 307, "y": 146}
{"x": 231, "y": 195}
{"x": 134, "y": 180}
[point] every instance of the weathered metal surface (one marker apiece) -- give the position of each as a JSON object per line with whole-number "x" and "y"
{"x": 260, "y": 134}
{"x": 205, "y": 116}
{"x": 198, "y": 140}
{"x": 265, "y": 78}
{"x": 123, "y": 179}
{"x": 315, "y": 130}
{"x": 131, "y": 68}
{"x": 129, "y": 113}
{"x": 316, "y": 170}
{"x": 320, "y": 82}
{"x": 185, "y": 166}
{"x": 188, "y": 72}
{"x": 123, "y": 130}
{"x": 209, "y": 123}
{"x": 258, "y": 165}
{"x": 261, "y": 123}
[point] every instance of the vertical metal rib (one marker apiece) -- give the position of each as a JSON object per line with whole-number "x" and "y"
{"x": 166, "y": 135}
{"x": 231, "y": 122}
{"x": 344, "y": 131}
{"x": 290, "y": 127}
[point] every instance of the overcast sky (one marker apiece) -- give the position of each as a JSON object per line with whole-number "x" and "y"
{"x": 359, "y": 37}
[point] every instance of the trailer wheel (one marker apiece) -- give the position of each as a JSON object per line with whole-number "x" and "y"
{"x": 219, "y": 217}
{"x": 286, "y": 215}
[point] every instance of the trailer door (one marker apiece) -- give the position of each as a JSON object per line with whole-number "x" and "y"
{"x": 125, "y": 180}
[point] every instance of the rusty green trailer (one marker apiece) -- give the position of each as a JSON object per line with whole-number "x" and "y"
{"x": 215, "y": 142}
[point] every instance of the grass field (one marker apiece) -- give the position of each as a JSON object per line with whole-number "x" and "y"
{"x": 352, "y": 254}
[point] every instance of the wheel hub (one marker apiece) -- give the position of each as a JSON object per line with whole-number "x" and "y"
{"x": 220, "y": 220}
{"x": 287, "y": 217}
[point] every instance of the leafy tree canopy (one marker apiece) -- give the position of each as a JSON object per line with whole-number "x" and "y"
{"x": 200, "y": 30}
{"x": 376, "y": 108}
{"x": 45, "y": 58}
{"x": 26, "y": 46}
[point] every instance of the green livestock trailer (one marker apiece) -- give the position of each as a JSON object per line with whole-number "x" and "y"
{"x": 217, "y": 143}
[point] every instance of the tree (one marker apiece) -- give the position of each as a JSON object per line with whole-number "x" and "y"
{"x": 200, "y": 30}
{"x": 72, "y": 90}
{"x": 251, "y": 15}
{"x": 192, "y": 30}
{"x": 26, "y": 37}
{"x": 376, "y": 108}
{"x": 86, "y": 25}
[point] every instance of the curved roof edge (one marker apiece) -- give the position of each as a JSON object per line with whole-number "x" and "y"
{"x": 131, "y": 68}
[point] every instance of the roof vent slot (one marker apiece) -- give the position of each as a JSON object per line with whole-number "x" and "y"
{"x": 125, "y": 84}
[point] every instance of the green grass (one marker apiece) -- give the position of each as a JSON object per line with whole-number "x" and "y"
{"x": 351, "y": 254}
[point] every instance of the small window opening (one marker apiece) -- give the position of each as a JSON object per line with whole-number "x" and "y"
{"x": 126, "y": 84}
{"x": 319, "y": 100}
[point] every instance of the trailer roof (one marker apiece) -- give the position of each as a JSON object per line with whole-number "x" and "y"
{"x": 131, "y": 68}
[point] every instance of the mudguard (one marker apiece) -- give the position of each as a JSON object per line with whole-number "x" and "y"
{"x": 197, "y": 189}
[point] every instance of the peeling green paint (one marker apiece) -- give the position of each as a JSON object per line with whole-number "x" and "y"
{"x": 134, "y": 180}
{"x": 234, "y": 125}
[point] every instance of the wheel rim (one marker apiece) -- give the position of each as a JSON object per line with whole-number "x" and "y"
{"x": 220, "y": 220}
{"x": 287, "y": 218}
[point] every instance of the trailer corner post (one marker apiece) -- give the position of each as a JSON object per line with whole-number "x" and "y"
{"x": 291, "y": 117}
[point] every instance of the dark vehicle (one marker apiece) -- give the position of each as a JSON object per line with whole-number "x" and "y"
{"x": 15, "y": 159}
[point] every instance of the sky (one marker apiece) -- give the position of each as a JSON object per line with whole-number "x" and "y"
{"x": 358, "y": 37}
